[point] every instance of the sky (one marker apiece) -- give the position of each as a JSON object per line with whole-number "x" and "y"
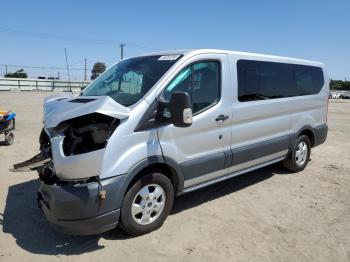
{"x": 35, "y": 33}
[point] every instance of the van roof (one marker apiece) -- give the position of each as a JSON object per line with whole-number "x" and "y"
{"x": 252, "y": 55}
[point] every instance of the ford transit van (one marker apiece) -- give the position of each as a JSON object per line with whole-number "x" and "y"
{"x": 162, "y": 124}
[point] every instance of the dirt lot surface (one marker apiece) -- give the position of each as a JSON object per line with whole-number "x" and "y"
{"x": 266, "y": 215}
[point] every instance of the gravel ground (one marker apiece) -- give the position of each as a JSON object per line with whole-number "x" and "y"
{"x": 266, "y": 215}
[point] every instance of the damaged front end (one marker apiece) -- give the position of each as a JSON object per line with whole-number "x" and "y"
{"x": 86, "y": 133}
{"x": 79, "y": 135}
{"x": 41, "y": 162}
{"x": 72, "y": 142}
{"x": 72, "y": 145}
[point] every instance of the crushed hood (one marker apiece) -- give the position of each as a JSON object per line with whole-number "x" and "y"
{"x": 63, "y": 107}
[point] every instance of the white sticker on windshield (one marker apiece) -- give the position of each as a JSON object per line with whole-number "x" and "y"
{"x": 169, "y": 57}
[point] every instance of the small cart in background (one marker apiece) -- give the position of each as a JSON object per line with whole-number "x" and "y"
{"x": 7, "y": 125}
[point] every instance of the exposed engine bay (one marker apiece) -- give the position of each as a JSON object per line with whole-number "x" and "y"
{"x": 80, "y": 134}
{"x": 86, "y": 133}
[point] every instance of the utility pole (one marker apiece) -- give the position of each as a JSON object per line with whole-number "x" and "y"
{"x": 85, "y": 71}
{"x": 5, "y": 69}
{"x": 122, "y": 51}
{"x": 70, "y": 88}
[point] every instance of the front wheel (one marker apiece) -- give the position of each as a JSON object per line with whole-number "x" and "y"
{"x": 147, "y": 204}
{"x": 300, "y": 155}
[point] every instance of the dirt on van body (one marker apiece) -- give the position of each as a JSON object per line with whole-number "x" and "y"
{"x": 266, "y": 215}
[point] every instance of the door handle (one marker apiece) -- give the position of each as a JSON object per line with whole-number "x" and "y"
{"x": 221, "y": 118}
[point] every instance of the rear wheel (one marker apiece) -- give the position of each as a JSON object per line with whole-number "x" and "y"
{"x": 9, "y": 138}
{"x": 147, "y": 204}
{"x": 300, "y": 155}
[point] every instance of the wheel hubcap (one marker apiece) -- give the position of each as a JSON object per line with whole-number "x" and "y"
{"x": 148, "y": 204}
{"x": 301, "y": 153}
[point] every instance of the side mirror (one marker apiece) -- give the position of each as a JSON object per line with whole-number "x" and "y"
{"x": 181, "y": 110}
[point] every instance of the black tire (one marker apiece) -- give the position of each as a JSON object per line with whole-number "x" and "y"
{"x": 291, "y": 162}
{"x": 9, "y": 138}
{"x": 127, "y": 221}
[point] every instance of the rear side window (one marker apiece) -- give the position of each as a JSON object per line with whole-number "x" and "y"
{"x": 308, "y": 80}
{"x": 260, "y": 80}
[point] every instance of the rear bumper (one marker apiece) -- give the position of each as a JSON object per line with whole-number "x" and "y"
{"x": 320, "y": 134}
{"x": 78, "y": 210}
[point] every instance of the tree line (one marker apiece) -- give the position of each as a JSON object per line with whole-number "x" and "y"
{"x": 339, "y": 85}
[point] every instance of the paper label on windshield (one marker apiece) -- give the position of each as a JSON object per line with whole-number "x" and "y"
{"x": 169, "y": 57}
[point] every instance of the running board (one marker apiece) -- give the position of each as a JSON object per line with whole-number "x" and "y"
{"x": 228, "y": 176}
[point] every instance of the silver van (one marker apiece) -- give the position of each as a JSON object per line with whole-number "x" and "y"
{"x": 159, "y": 125}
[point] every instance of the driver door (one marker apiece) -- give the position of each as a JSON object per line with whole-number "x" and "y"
{"x": 200, "y": 149}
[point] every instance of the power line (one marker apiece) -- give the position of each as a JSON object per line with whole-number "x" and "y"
{"x": 43, "y": 67}
{"x": 50, "y": 36}
{"x": 78, "y": 62}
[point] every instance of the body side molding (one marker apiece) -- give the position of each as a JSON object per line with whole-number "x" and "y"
{"x": 230, "y": 175}
{"x": 208, "y": 164}
{"x": 261, "y": 149}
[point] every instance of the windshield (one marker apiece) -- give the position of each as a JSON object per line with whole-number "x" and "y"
{"x": 129, "y": 80}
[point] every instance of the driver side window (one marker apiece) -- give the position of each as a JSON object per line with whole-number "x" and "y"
{"x": 201, "y": 81}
